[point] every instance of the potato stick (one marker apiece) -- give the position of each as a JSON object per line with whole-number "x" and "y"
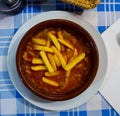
{"x": 68, "y": 73}
{"x": 44, "y": 48}
{"x": 39, "y": 41}
{"x": 50, "y": 82}
{"x": 51, "y": 73}
{"x": 61, "y": 58}
{"x": 76, "y": 60}
{"x": 46, "y": 61}
{"x": 66, "y": 43}
{"x": 60, "y": 36}
{"x": 48, "y": 42}
{"x": 40, "y": 67}
{"x": 52, "y": 62}
{"x": 37, "y": 61}
{"x": 57, "y": 61}
{"x": 54, "y": 40}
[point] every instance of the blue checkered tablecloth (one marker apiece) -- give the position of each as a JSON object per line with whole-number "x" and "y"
{"x": 11, "y": 102}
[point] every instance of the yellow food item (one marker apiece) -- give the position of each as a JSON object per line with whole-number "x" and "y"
{"x": 52, "y": 62}
{"x": 68, "y": 73}
{"x": 54, "y": 40}
{"x": 37, "y": 61}
{"x": 39, "y": 67}
{"x": 38, "y": 41}
{"x": 52, "y": 73}
{"x": 50, "y": 82}
{"x": 48, "y": 42}
{"x": 60, "y": 56}
{"x": 46, "y": 61}
{"x": 57, "y": 61}
{"x": 44, "y": 48}
{"x": 75, "y": 61}
{"x": 67, "y": 44}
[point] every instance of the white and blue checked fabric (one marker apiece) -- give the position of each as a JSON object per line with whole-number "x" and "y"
{"x": 11, "y": 102}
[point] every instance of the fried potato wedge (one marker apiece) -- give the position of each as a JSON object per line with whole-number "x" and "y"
{"x": 40, "y": 67}
{"x": 75, "y": 61}
{"x": 39, "y": 41}
{"x": 47, "y": 74}
{"x": 50, "y": 82}
{"x": 60, "y": 56}
{"x": 68, "y": 73}
{"x": 44, "y": 48}
{"x": 37, "y": 61}
{"x": 46, "y": 61}
{"x": 54, "y": 40}
{"x": 67, "y": 44}
{"x": 56, "y": 59}
{"x": 52, "y": 62}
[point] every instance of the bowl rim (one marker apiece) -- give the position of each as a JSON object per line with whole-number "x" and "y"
{"x": 61, "y": 23}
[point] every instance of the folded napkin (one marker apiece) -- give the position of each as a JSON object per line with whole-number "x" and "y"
{"x": 110, "y": 89}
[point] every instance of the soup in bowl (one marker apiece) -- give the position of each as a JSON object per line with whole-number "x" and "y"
{"x": 57, "y": 59}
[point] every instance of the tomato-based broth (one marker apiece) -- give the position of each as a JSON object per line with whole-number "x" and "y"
{"x": 56, "y": 61}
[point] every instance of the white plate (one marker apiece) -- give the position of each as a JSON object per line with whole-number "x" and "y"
{"x": 57, "y": 105}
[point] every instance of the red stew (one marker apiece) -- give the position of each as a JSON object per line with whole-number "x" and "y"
{"x": 77, "y": 75}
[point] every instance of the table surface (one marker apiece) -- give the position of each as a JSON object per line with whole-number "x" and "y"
{"x": 11, "y": 102}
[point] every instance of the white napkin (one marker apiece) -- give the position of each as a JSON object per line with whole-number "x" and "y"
{"x": 111, "y": 85}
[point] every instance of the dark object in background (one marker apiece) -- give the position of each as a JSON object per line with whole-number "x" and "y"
{"x": 12, "y": 7}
